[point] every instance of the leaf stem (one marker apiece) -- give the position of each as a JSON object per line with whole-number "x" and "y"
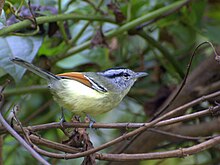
{"x": 164, "y": 52}
{"x": 61, "y": 24}
{"x": 120, "y": 30}
{"x": 24, "y": 90}
{"x": 53, "y": 18}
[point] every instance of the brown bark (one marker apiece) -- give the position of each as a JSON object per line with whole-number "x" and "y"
{"x": 203, "y": 75}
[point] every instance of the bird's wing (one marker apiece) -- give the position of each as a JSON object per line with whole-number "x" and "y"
{"x": 80, "y": 77}
{"x": 76, "y": 76}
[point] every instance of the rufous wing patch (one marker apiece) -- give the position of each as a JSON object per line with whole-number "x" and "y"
{"x": 76, "y": 76}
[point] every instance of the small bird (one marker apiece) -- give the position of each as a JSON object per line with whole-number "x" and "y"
{"x": 87, "y": 92}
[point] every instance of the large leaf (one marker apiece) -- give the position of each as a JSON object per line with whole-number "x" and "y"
{"x": 73, "y": 61}
{"x": 98, "y": 56}
{"x": 212, "y": 32}
{"x": 14, "y": 46}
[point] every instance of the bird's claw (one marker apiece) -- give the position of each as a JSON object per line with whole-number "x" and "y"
{"x": 62, "y": 119}
{"x": 90, "y": 120}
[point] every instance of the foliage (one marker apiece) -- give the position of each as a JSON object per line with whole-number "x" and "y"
{"x": 147, "y": 35}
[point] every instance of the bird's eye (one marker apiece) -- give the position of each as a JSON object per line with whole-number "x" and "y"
{"x": 126, "y": 76}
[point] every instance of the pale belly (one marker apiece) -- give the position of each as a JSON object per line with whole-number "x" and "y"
{"x": 80, "y": 99}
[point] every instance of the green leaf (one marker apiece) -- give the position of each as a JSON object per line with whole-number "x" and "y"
{"x": 2, "y": 72}
{"x": 22, "y": 47}
{"x": 98, "y": 56}
{"x": 73, "y": 61}
{"x": 51, "y": 47}
{"x": 212, "y": 32}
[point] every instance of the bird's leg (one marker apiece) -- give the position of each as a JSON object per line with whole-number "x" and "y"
{"x": 89, "y": 119}
{"x": 62, "y": 119}
{"x": 77, "y": 118}
{"x": 62, "y": 115}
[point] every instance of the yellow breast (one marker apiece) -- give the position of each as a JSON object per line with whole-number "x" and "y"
{"x": 81, "y": 99}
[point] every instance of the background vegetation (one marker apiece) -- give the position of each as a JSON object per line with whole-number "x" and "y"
{"x": 155, "y": 36}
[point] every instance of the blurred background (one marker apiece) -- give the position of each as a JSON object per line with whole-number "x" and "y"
{"x": 154, "y": 36}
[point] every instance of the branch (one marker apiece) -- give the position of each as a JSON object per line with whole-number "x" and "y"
{"x": 53, "y": 145}
{"x": 209, "y": 88}
{"x": 182, "y": 152}
{"x": 146, "y": 125}
{"x": 43, "y": 127}
{"x": 180, "y": 88}
{"x": 179, "y": 136}
{"x": 121, "y": 138}
{"x": 22, "y": 141}
{"x": 140, "y": 27}
{"x": 52, "y": 18}
{"x": 75, "y": 39}
{"x": 124, "y": 28}
{"x": 183, "y": 118}
{"x": 24, "y": 90}
{"x": 61, "y": 24}
{"x": 202, "y": 75}
{"x": 198, "y": 129}
{"x": 165, "y": 52}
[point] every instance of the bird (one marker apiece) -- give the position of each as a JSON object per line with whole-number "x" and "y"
{"x": 87, "y": 92}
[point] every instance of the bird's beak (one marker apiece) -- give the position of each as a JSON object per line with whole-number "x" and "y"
{"x": 140, "y": 74}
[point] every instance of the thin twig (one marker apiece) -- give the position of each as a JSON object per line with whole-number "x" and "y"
{"x": 182, "y": 152}
{"x": 208, "y": 88}
{"x": 26, "y": 137}
{"x": 43, "y": 127}
{"x": 188, "y": 116}
{"x": 172, "y": 112}
{"x": 25, "y": 90}
{"x": 177, "y": 93}
{"x": 38, "y": 111}
{"x": 134, "y": 132}
{"x": 32, "y": 14}
{"x": 175, "y": 135}
{"x": 185, "y": 78}
{"x": 75, "y": 39}
{"x": 61, "y": 25}
{"x": 140, "y": 27}
{"x": 97, "y": 9}
{"x": 53, "y": 145}
{"x": 163, "y": 51}
{"x": 22, "y": 141}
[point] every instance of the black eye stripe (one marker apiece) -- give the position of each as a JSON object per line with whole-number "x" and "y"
{"x": 117, "y": 75}
{"x": 126, "y": 74}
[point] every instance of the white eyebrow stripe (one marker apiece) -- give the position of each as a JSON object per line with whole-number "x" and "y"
{"x": 96, "y": 86}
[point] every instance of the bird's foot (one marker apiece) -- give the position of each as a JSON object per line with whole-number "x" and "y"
{"x": 90, "y": 120}
{"x": 77, "y": 118}
{"x": 62, "y": 119}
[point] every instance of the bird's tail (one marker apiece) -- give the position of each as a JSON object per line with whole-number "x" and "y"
{"x": 38, "y": 71}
